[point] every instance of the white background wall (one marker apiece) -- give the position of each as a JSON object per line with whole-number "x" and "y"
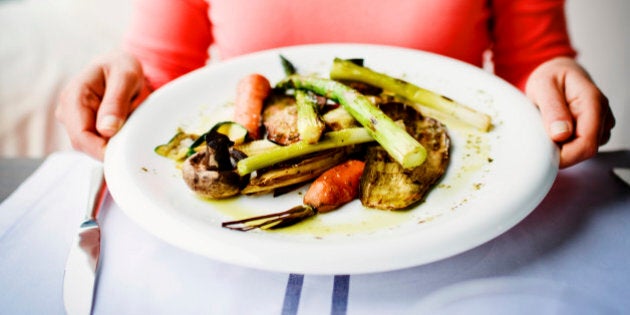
{"x": 600, "y": 32}
{"x": 44, "y": 42}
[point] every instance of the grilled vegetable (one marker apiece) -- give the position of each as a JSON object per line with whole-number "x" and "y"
{"x": 396, "y": 141}
{"x": 330, "y": 140}
{"x": 234, "y": 131}
{"x": 334, "y": 188}
{"x": 294, "y": 172}
{"x": 280, "y": 117}
{"x": 177, "y": 147}
{"x": 287, "y": 66}
{"x": 251, "y": 92}
{"x": 411, "y": 158}
{"x": 309, "y": 125}
{"x": 339, "y": 118}
{"x": 347, "y": 70}
{"x": 255, "y": 147}
{"x": 210, "y": 173}
{"x": 273, "y": 220}
{"x": 385, "y": 184}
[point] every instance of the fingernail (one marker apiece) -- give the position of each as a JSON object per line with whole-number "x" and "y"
{"x": 110, "y": 122}
{"x": 559, "y": 127}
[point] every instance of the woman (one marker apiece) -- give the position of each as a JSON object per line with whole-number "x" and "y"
{"x": 528, "y": 40}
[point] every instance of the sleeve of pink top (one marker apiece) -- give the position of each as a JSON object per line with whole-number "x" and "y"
{"x": 527, "y": 33}
{"x": 170, "y": 38}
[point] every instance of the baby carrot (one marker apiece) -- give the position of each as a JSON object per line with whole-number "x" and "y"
{"x": 251, "y": 92}
{"x": 335, "y": 187}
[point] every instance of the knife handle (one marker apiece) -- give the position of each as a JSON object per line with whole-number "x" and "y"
{"x": 98, "y": 188}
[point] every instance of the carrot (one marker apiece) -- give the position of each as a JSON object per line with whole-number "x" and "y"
{"x": 251, "y": 92}
{"x": 335, "y": 187}
{"x": 331, "y": 190}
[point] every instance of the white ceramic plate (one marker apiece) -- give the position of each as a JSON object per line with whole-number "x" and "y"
{"x": 494, "y": 179}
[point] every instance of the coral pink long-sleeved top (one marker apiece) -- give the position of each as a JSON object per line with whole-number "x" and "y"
{"x": 172, "y": 37}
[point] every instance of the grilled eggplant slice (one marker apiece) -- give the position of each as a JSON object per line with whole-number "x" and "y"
{"x": 385, "y": 184}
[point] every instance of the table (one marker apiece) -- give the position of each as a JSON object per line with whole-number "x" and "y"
{"x": 569, "y": 256}
{"x": 13, "y": 171}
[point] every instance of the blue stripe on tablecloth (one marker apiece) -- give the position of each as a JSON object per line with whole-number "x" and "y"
{"x": 341, "y": 287}
{"x": 292, "y": 294}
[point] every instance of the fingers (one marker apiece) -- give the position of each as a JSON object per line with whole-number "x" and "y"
{"x": 593, "y": 116}
{"x": 586, "y": 108}
{"x": 124, "y": 82}
{"x": 547, "y": 93}
{"x": 576, "y": 114}
{"x": 95, "y": 104}
{"x": 608, "y": 121}
{"x": 78, "y": 104}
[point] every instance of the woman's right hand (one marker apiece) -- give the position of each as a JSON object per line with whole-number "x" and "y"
{"x": 96, "y": 103}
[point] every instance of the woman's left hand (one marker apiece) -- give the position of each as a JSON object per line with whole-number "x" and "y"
{"x": 575, "y": 112}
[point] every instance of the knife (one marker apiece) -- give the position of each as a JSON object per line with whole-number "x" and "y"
{"x": 623, "y": 174}
{"x": 81, "y": 267}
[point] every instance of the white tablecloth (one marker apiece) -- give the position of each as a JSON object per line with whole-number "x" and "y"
{"x": 569, "y": 256}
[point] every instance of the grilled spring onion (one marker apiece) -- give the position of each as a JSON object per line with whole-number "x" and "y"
{"x": 287, "y": 174}
{"x": 273, "y": 220}
{"x": 330, "y": 140}
{"x": 395, "y": 140}
{"x": 309, "y": 125}
{"x": 347, "y": 70}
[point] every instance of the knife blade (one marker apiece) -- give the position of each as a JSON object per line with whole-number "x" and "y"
{"x": 623, "y": 174}
{"x": 82, "y": 263}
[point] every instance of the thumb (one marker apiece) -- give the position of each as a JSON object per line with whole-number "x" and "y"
{"x": 123, "y": 81}
{"x": 548, "y": 94}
